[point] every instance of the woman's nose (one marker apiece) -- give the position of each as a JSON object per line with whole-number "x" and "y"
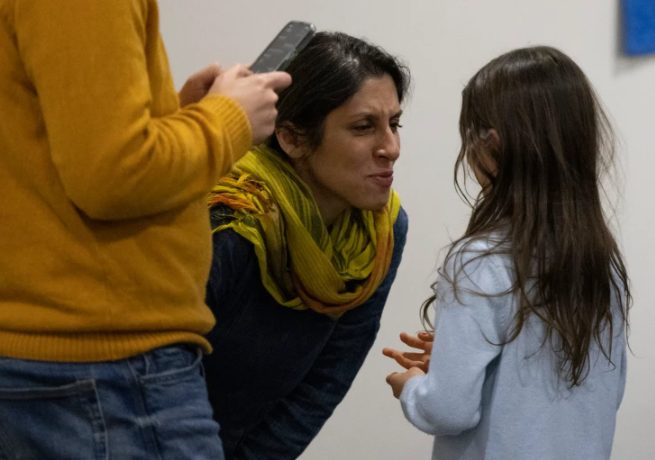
{"x": 389, "y": 146}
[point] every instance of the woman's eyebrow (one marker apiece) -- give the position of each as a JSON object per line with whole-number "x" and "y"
{"x": 371, "y": 116}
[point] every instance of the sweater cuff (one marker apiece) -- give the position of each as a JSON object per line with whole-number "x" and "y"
{"x": 408, "y": 404}
{"x": 405, "y": 395}
{"x": 234, "y": 120}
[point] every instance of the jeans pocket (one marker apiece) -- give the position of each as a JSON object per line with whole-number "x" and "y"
{"x": 172, "y": 364}
{"x": 52, "y": 422}
{"x": 176, "y": 401}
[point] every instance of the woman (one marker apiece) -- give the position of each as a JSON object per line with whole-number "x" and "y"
{"x": 308, "y": 236}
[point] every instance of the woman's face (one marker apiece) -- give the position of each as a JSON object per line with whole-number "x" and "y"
{"x": 354, "y": 164}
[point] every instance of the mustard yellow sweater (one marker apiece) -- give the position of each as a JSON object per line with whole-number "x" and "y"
{"x": 105, "y": 241}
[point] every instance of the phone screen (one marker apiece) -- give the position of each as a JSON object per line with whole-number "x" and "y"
{"x": 291, "y": 39}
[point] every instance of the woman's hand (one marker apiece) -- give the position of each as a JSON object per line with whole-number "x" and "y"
{"x": 398, "y": 380}
{"x": 423, "y": 341}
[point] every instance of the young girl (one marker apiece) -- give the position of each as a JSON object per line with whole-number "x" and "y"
{"x": 529, "y": 352}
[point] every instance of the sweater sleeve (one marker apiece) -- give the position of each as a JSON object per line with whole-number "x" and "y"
{"x": 468, "y": 327}
{"x": 87, "y": 63}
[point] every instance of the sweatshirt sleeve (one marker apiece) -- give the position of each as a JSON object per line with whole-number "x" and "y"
{"x": 87, "y": 63}
{"x": 468, "y": 327}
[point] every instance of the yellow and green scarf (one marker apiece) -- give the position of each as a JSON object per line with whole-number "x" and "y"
{"x": 304, "y": 264}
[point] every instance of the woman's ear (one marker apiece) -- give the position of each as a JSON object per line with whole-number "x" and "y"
{"x": 287, "y": 137}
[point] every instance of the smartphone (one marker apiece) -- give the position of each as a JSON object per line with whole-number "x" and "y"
{"x": 291, "y": 39}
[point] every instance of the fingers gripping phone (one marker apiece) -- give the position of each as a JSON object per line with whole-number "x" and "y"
{"x": 284, "y": 47}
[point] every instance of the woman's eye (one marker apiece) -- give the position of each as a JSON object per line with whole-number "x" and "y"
{"x": 361, "y": 128}
{"x": 395, "y": 127}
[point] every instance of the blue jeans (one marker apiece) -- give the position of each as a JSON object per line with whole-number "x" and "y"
{"x": 152, "y": 406}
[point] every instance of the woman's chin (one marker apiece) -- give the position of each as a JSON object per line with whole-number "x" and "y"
{"x": 374, "y": 203}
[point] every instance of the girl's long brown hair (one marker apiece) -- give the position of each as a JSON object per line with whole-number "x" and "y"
{"x": 534, "y": 111}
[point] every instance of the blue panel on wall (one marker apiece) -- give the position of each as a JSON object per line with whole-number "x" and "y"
{"x": 639, "y": 26}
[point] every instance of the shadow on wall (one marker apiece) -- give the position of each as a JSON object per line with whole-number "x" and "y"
{"x": 626, "y": 63}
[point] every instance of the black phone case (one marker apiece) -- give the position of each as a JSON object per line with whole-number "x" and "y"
{"x": 284, "y": 47}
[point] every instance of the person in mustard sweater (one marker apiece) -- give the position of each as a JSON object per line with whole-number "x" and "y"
{"x": 104, "y": 170}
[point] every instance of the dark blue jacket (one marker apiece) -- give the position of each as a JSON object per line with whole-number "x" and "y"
{"x": 277, "y": 374}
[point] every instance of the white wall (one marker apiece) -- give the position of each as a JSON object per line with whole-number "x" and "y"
{"x": 444, "y": 42}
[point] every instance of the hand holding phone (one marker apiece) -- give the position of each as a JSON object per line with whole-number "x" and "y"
{"x": 256, "y": 94}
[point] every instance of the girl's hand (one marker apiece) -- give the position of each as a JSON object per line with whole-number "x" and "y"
{"x": 398, "y": 380}
{"x": 423, "y": 341}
